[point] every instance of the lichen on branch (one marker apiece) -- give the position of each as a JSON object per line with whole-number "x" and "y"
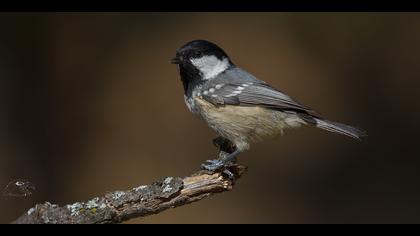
{"x": 119, "y": 206}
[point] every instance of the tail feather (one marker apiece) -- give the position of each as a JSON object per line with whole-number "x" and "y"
{"x": 340, "y": 128}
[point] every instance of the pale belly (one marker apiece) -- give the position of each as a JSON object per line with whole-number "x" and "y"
{"x": 244, "y": 125}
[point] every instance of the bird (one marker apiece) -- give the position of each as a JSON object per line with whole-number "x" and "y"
{"x": 240, "y": 108}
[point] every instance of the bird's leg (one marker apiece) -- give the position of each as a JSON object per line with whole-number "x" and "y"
{"x": 224, "y": 145}
{"x": 225, "y": 148}
{"x": 213, "y": 165}
{"x": 227, "y": 156}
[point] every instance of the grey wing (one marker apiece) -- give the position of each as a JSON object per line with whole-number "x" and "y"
{"x": 241, "y": 88}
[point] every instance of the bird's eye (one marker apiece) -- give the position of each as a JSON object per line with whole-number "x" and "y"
{"x": 198, "y": 54}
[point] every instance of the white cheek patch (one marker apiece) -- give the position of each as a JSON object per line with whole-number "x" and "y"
{"x": 210, "y": 66}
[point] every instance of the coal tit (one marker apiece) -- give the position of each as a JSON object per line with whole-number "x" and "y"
{"x": 237, "y": 105}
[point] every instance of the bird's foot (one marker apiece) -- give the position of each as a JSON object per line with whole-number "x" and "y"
{"x": 222, "y": 164}
{"x": 213, "y": 165}
{"x": 216, "y": 165}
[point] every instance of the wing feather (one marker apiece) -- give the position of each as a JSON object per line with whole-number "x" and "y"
{"x": 245, "y": 90}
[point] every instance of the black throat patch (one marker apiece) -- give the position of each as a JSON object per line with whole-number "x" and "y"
{"x": 190, "y": 77}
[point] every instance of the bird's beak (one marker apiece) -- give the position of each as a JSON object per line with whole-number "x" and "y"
{"x": 175, "y": 61}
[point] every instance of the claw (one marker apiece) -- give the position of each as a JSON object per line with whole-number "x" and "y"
{"x": 212, "y": 165}
{"x": 229, "y": 174}
{"x": 212, "y": 162}
{"x": 227, "y": 157}
{"x": 217, "y": 164}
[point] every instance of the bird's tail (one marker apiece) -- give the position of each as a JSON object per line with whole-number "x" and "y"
{"x": 340, "y": 128}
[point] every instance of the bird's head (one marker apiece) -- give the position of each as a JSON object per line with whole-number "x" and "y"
{"x": 201, "y": 60}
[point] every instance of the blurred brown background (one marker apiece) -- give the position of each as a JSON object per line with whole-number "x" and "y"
{"x": 89, "y": 103}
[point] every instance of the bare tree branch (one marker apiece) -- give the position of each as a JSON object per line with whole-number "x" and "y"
{"x": 119, "y": 206}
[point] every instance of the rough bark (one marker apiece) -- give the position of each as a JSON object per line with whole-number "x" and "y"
{"x": 119, "y": 206}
